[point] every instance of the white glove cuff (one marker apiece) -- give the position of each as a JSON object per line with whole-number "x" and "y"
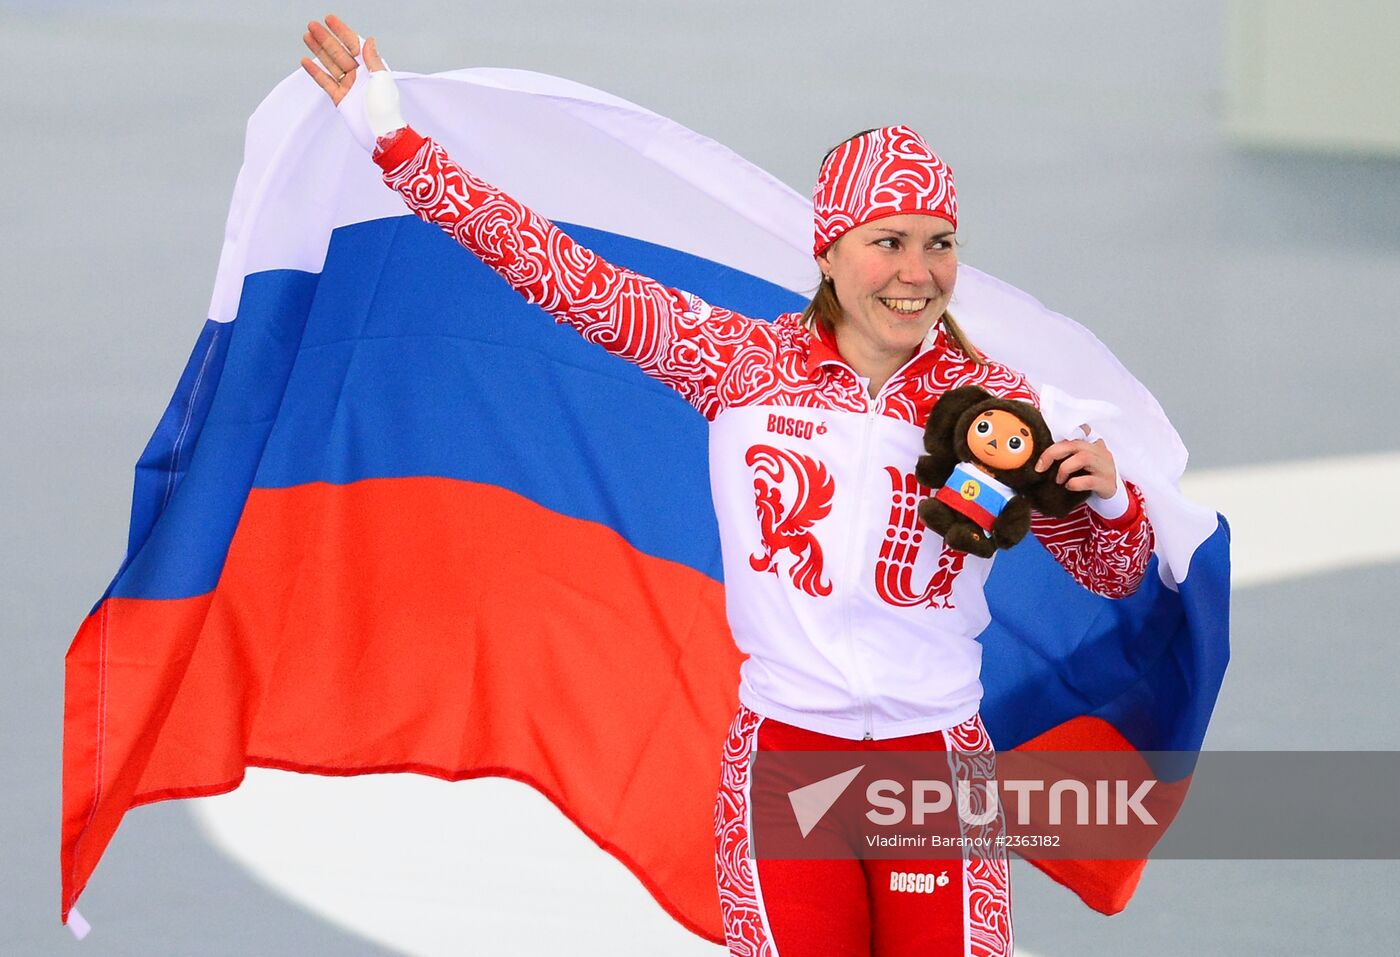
{"x": 370, "y": 108}
{"x": 1111, "y": 508}
{"x": 382, "y": 103}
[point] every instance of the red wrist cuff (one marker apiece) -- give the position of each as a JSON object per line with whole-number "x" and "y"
{"x": 394, "y": 149}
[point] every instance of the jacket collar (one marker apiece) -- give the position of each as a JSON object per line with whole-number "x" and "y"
{"x": 822, "y": 351}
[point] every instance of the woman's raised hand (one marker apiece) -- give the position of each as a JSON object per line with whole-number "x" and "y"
{"x": 335, "y": 47}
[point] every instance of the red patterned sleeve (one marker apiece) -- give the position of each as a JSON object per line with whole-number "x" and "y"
{"x": 673, "y": 336}
{"x": 1107, "y": 556}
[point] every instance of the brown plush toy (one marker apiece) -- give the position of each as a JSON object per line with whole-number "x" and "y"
{"x": 981, "y": 464}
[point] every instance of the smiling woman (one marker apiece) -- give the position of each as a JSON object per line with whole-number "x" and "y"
{"x": 853, "y": 389}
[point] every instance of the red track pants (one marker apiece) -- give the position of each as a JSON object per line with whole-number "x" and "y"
{"x": 850, "y": 908}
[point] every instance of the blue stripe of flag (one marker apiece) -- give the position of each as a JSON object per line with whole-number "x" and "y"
{"x": 406, "y": 356}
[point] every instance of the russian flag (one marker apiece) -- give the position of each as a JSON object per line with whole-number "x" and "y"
{"x": 396, "y": 519}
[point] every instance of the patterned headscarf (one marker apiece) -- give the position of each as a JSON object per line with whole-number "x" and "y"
{"x": 882, "y": 173}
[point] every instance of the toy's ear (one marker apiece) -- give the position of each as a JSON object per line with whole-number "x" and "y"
{"x": 1049, "y": 497}
{"x": 1044, "y": 494}
{"x": 938, "y": 431}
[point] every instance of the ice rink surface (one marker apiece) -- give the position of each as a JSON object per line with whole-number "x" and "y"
{"x": 1253, "y": 292}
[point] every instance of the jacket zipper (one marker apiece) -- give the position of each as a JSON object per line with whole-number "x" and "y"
{"x": 855, "y": 563}
{"x": 858, "y": 543}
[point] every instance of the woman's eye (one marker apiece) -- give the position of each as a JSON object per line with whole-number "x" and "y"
{"x": 984, "y": 427}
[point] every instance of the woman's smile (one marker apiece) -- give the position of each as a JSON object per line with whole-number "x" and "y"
{"x": 905, "y": 307}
